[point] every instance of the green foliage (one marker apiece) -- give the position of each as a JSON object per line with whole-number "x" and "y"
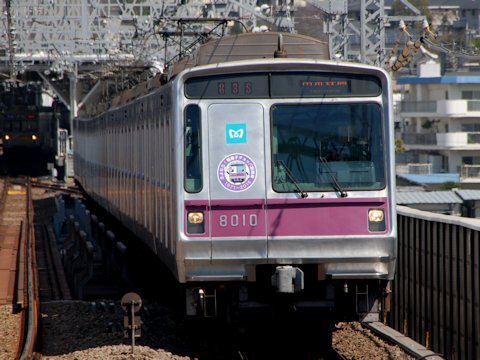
{"x": 427, "y": 125}
{"x": 399, "y": 146}
{"x": 449, "y": 185}
{"x": 476, "y": 43}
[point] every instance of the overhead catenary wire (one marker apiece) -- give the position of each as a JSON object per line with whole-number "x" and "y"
{"x": 427, "y": 40}
{"x": 441, "y": 47}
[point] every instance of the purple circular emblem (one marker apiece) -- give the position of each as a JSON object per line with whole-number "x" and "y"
{"x": 236, "y": 172}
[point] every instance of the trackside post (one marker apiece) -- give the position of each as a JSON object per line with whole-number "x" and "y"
{"x": 131, "y": 304}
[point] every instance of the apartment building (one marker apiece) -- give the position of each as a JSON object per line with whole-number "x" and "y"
{"x": 438, "y": 121}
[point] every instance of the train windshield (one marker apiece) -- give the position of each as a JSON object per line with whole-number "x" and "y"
{"x": 318, "y": 147}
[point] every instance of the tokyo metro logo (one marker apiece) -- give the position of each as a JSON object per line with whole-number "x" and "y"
{"x": 236, "y": 133}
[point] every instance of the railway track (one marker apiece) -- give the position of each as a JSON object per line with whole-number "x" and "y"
{"x": 32, "y": 300}
{"x": 20, "y": 289}
{"x": 94, "y": 317}
{"x": 19, "y": 239}
{"x": 43, "y": 266}
{"x": 48, "y": 185}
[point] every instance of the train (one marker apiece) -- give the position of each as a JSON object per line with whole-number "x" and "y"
{"x": 232, "y": 167}
{"x": 27, "y": 128}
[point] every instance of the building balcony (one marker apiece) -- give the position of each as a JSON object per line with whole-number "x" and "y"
{"x": 470, "y": 173}
{"x": 413, "y": 168}
{"x": 459, "y": 139}
{"x": 440, "y": 108}
{"x": 418, "y": 107}
{"x": 450, "y": 140}
{"x": 419, "y": 139}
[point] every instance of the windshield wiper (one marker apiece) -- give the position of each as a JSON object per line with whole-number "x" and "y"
{"x": 334, "y": 181}
{"x": 303, "y": 194}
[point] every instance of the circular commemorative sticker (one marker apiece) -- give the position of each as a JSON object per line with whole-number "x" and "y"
{"x": 236, "y": 172}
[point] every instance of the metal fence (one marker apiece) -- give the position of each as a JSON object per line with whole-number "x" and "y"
{"x": 436, "y": 290}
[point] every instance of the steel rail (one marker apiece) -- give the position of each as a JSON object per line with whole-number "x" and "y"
{"x": 54, "y": 187}
{"x": 31, "y": 280}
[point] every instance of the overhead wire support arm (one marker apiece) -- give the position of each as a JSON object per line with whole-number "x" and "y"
{"x": 411, "y": 7}
{"x": 411, "y": 47}
{"x": 201, "y": 37}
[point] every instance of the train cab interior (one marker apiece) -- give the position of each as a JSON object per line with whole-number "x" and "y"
{"x": 314, "y": 144}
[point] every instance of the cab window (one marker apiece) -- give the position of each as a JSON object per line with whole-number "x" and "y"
{"x": 193, "y": 149}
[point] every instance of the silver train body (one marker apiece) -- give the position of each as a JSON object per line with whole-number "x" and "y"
{"x": 230, "y": 174}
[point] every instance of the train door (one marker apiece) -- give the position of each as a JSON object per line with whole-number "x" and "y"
{"x": 237, "y": 180}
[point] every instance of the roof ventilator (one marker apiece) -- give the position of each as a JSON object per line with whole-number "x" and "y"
{"x": 280, "y": 52}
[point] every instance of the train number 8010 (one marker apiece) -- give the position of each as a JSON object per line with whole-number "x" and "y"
{"x": 235, "y": 220}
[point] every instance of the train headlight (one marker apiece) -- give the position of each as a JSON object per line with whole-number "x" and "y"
{"x": 195, "y": 222}
{"x": 195, "y": 217}
{"x": 376, "y": 220}
{"x": 34, "y": 137}
{"x": 375, "y": 215}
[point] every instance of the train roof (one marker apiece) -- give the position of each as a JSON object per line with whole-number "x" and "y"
{"x": 247, "y": 46}
{"x": 254, "y": 46}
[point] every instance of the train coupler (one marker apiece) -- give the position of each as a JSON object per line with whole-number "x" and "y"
{"x": 288, "y": 279}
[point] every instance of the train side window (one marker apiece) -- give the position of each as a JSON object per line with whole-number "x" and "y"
{"x": 193, "y": 149}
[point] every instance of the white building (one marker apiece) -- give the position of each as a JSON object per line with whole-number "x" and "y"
{"x": 439, "y": 123}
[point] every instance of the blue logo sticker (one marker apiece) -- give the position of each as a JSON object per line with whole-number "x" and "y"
{"x": 236, "y": 133}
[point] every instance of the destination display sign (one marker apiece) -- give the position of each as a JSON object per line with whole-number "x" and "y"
{"x": 306, "y": 84}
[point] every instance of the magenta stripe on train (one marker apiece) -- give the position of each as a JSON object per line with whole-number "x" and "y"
{"x": 287, "y": 217}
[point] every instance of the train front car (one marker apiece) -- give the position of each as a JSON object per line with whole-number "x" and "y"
{"x": 288, "y": 187}
{"x": 21, "y": 130}
{"x": 26, "y": 134}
